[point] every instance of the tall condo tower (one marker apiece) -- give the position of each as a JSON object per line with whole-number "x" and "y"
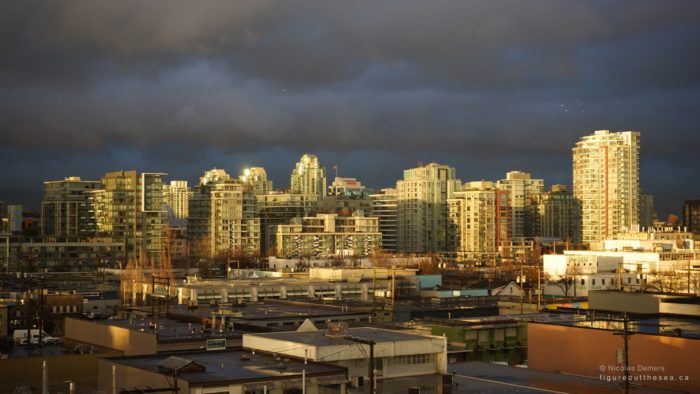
{"x": 606, "y": 182}
{"x": 308, "y": 177}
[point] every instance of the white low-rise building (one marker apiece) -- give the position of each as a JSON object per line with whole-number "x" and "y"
{"x": 397, "y": 354}
{"x": 575, "y": 273}
{"x": 663, "y": 271}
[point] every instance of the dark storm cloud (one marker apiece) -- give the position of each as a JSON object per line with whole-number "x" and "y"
{"x": 515, "y": 83}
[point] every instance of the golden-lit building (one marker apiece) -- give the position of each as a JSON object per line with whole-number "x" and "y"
{"x": 279, "y": 208}
{"x": 422, "y": 208}
{"x": 176, "y": 196}
{"x": 64, "y": 207}
{"x": 255, "y": 179}
{"x": 522, "y": 193}
{"x": 606, "y": 181}
{"x": 222, "y": 218}
{"x": 129, "y": 208}
{"x": 472, "y": 214}
{"x": 308, "y": 177}
{"x": 384, "y": 207}
{"x": 328, "y": 235}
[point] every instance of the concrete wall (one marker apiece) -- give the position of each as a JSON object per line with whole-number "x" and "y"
{"x": 130, "y": 342}
{"x": 644, "y": 303}
{"x": 679, "y": 309}
{"x": 593, "y": 352}
{"x": 356, "y": 274}
{"x": 624, "y": 302}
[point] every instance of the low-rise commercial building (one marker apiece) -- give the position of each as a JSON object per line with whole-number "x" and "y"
{"x": 148, "y": 335}
{"x": 231, "y": 372}
{"x": 63, "y": 254}
{"x": 397, "y": 354}
{"x": 488, "y": 339}
{"x": 662, "y": 352}
{"x": 257, "y": 289}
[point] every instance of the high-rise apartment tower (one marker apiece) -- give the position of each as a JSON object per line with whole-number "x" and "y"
{"x": 606, "y": 182}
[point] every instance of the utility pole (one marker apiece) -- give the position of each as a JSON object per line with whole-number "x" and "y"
{"x": 625, "y": 349}
{"x": 153, "y": 292}
{"x": 688, "y": 276}
{"x": 41, "y": 314}
{"x": 374, "y": 293}
{"x": 539, "y": 290}
{"x": 393, "y": 286}
{"x": 619, "y": 276}
{"x": 522, "y": 286}
{"x": 371, "y": 344}
{"x": 163, "y": 281}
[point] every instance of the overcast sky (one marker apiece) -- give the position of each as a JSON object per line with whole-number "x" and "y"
{"x": 372, "y": 86}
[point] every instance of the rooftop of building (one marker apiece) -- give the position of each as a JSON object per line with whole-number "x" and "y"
{"x": 320, "y": 337}
{"x": 267, "y": 310}
{"x": 484, "y": 321}
{"x": 270, "y": 281}
{"x": 237, "y": 366}
{"x": 49, "y": 350}
{"x": 170, "y": 330}
{"x": 654, "y": 325}
{"x": 475, "y": 376}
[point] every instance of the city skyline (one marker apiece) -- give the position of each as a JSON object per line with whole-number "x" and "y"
{"x": 36, "y": 198}
{"x": 93, "y": 87}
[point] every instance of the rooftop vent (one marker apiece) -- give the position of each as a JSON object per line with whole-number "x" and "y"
{"x": 337, "y": 329}
{"x": 178, "y": 364}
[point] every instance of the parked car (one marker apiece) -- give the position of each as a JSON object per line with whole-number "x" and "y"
{"x": 21, "y": 337}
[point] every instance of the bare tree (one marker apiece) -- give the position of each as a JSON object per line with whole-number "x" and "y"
{"x": 379, "y": 259}
{"x": 567, "y": 281}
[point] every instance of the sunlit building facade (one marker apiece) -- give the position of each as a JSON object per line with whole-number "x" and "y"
{"x": 222, "y": 221}
{"x": 64, "y": 209}
{"x": 522, "y": 193}
{"x": 346, "y": 187}
{"x": 308, "y": 177}
{"x": 606, "y": 181}
{"x": 129, "y": 208}
{"x": 280, "y": 208}
{"x": 255, "y": 180}
{"x": 177, "y": 196}
{"x": 329, "y": 235}
{"x": 384, "y": 207}
{"x": 422, "y": 208}
{"x": 472, "y": 214}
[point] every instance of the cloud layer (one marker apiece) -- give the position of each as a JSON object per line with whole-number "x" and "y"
{"x": 486, "y": 86}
